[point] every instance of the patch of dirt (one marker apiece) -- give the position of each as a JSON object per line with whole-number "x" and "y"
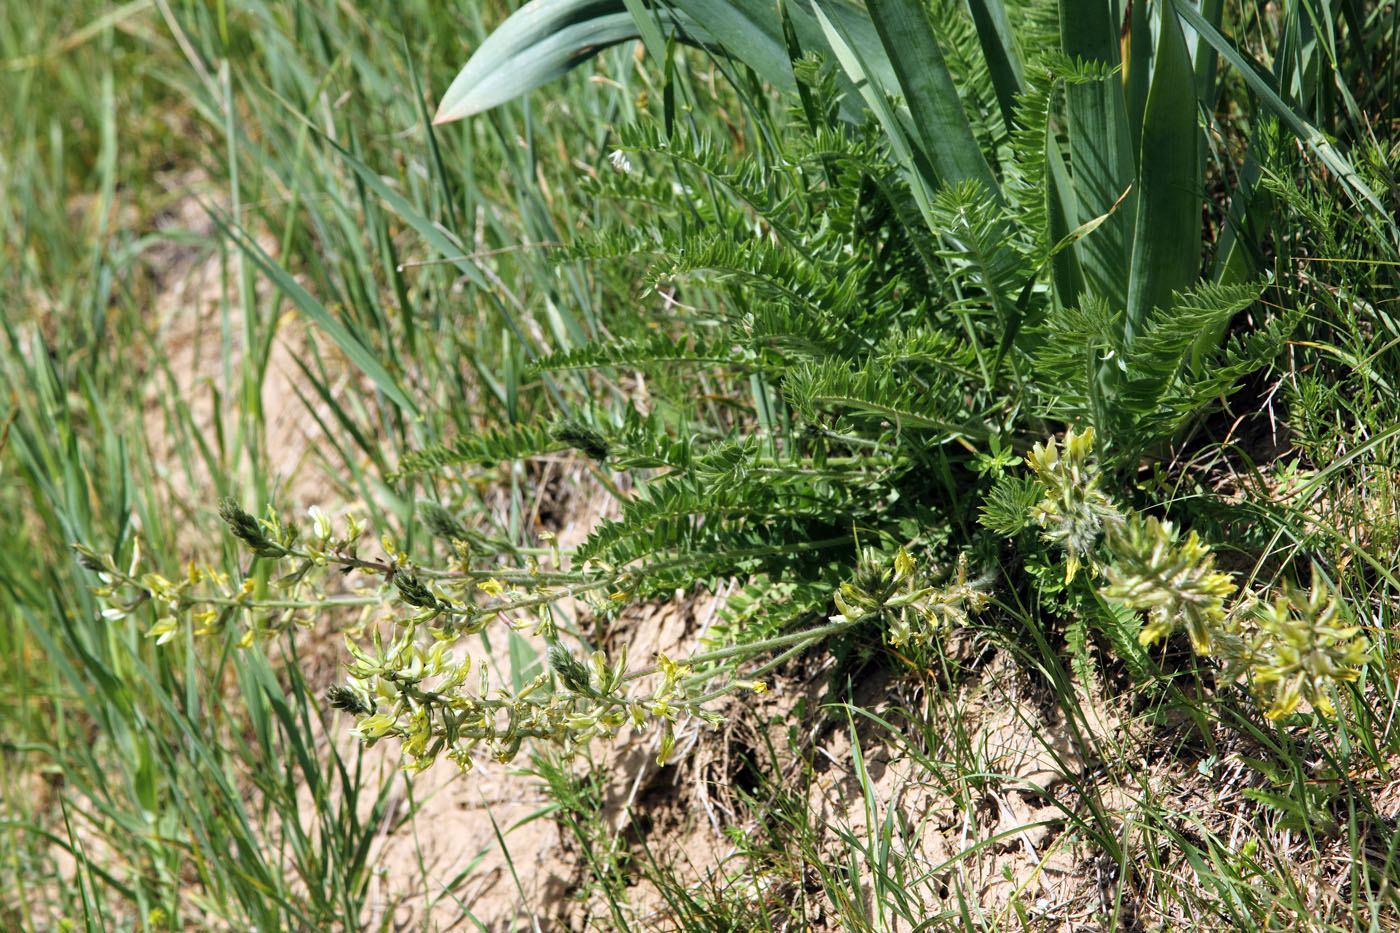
{"x": 999, "y": 842}
{"x": 998, "y": 809}
{"x": 195, "y": 390}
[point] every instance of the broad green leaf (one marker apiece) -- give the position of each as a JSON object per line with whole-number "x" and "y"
{"x": 1066, "y": 272}
{"x": 544, "y": 39}
{"x": 539, "y": 42}
{"x": 941, "y": 132}
{"x": 1086, "y": 228}
{"x": 1137, "y": 68}
{"x": 1167, "y": 234}
{"x": 855, "y": 25}
{"x": 1100, "y": 145}
{"x": 750, "y": 31}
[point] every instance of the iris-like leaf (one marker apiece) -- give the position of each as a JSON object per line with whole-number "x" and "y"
{"x": 941, "y": 133}
{"x": 1100, "y": 145}
{"x": 999, "y": 47}
{"x": 539, "y": 42}
{"x": 545, "y": 39}
{"x": 1167, "y": 234}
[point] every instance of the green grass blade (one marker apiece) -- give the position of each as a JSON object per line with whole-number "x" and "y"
{"x": 1204, "y": 57}
{"x": 1309, "y": 135}
{"x": 357, "y": 352}
{"x": 1167, "y": 237}
{"x": 1239, "y": 251}
{"x": 648, "y": 23}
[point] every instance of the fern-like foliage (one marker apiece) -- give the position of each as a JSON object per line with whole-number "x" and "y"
{"x": 1070, "y": 346}
{"x": 1163, "y": 379}
{"x": 485, "y": 449}
{"x": 657, "y": 350}
{"x": 1007, "y": 508}
{"x": 1121, "y": 628}
{"x": 1169, "y": 396}
{"x": 1158, "y": 359}
{"x": 704, "y": 529}
{"x": 771, "y": 272}
{"x": 873, "y": 390}
{"x": 1032, "y": 140}
{"x": 986, "y": 254}
{"x": 821, "y": 362}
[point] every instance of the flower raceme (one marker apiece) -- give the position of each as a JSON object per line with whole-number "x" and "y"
{"x": 1294, "y": 648}
{"x": 1074, "y": 511}
{"x": 409, "y": 677}
{"x": 913, "y": 611}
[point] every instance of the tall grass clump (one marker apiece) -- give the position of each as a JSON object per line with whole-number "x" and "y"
{"x": 170, "y": 782}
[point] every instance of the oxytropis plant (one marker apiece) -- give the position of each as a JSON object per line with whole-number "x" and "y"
{"x": 411, "y": 676}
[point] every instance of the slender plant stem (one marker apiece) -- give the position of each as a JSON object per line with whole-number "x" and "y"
{"x": 802, "y": 639}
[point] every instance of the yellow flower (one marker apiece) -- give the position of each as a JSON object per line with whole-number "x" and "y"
{"x": 163, "y": 630}
{"x": 903, "y": 565}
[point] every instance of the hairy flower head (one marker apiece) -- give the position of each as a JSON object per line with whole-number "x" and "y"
{"x": 1073, "y": 510}
{"x": 1175, "y": 580}
{"x": 1301, "y": 648}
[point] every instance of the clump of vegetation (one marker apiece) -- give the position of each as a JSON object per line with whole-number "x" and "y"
{"x": 926, "y": 320}
{"x": 897, "y": 300}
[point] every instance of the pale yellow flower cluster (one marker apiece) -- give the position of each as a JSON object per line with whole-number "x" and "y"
{"x": 1292, "y": 649}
